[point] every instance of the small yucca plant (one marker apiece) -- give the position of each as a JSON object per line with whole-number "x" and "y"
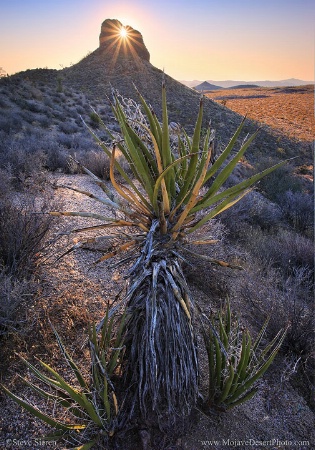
{"x": 170, "y": 194}
{"x": 235, "y": 362}
{"x": 90, "y": 408}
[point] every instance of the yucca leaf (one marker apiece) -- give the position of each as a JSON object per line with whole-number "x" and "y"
{"x": 248, "y": 350}
{"x": 124, "y": 191}
{"x": 115, "y": 403}
{"x": 106, "y": 330}
{"x": 118, "y": 346}
{"x": 228, "y": 319}
{"x": 225, "y": 154}
{"x": 40, "y": 375}
{"x": 108, "y": 202}
{"x": 226, "y": 204}
{"x": 207, "y": 147}
{"x": 184, "y": 149}
{"x": 209, "y": 346}
{"x": 86, "y": 446}
{"x": 106, "y": 399}
{"x": 227, "y": 385}
{"x": 191, "y": 170}
{"x": 240, "y": 365}
{"x": 122, "y": 172}
{"x": 43, "y": 393}
{"x": 193, "y": 196}
{"x": 159, "y": 161}
{"x": 154, "y": 125}
{"x": 118, "y": 223}
{"x": 243, "y": 399}
{"x": 136, "y": 160}
{"x": 142, "y": 148}
{"x": 218, "y": 361}
{"x": 35, "y": 412}
{"x": 228, "y": 169}
{"x": 207, "y": 201}
{"x": 161, "y": 177}
{"x": 117, "y": 165}
{"x": 259, "y": 373}
{"x": 77, "y": 396}
{"x": 260, "y": 335}
{"x": 166, "y": 147}
{"x": 69, "y": 360}
{"x": 204, "y": 242}
{"x": 271, "y": 344}
{"x": 223, "y": 335}
{"x": 82, "y": 214}
{"x": 212, "y": 260}
{"x": 116, "y": 251}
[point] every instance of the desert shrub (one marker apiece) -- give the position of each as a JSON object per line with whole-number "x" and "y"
{"x": 6, "y": 181}
{"x": 288, "y": 299}
{"x": 48, "y": 102}
{"x": 68, "y": 127}
{"x": 284, "y": 249}
{"x": 13, "y": 292}
{"x": 81, "y": 110}
{"x": 298, "y": 309}
{"x": 23, "y": 156}
{"x": 56, "y": 156}
{"x": 94, "y": 120}
{"x": 254, "y": 210}
{"x": 11, "y": 123}
{"x": 3, "y": 101}
{"x": 43, "y": 120}
{"x": 298, "y": 209}
{"x": 65, "y": 140}
{"x": 277, "y": 184}
{"x": 97, "y": 162}
{"x": 22, "y": 230}
{"x": 34, "y": 106}
{"x": 72, "y": 112}
{"x": 289, "y": 251}
{"x": 22, "y": 233}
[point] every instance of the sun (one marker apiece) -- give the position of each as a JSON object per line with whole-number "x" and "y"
{"x": 123, "y": 32}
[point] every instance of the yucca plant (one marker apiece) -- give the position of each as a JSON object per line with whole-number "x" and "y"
{"x": 171, "y": 193}
{"x": 89, "y": 410}
{"x": 235, "y": 362}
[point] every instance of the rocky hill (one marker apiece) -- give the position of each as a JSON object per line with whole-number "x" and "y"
{"x": 122, "y": 62}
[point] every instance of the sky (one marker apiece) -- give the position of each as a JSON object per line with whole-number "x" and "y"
{"x": 190, "y": 39}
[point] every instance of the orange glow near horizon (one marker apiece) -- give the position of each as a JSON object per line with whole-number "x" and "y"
{"x": 181, "y": 41}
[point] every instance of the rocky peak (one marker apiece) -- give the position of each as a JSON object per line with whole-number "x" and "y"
{"x": 112, "y": 42}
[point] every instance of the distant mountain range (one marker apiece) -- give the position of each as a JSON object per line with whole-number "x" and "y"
{"x": 232, "y": 83}
{"x": 205, "y": 86}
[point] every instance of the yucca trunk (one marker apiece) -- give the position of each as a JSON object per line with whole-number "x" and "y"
{"x": 161, "y": 366}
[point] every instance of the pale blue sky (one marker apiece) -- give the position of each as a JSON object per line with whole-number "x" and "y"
{"x": 201, "y": 39}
